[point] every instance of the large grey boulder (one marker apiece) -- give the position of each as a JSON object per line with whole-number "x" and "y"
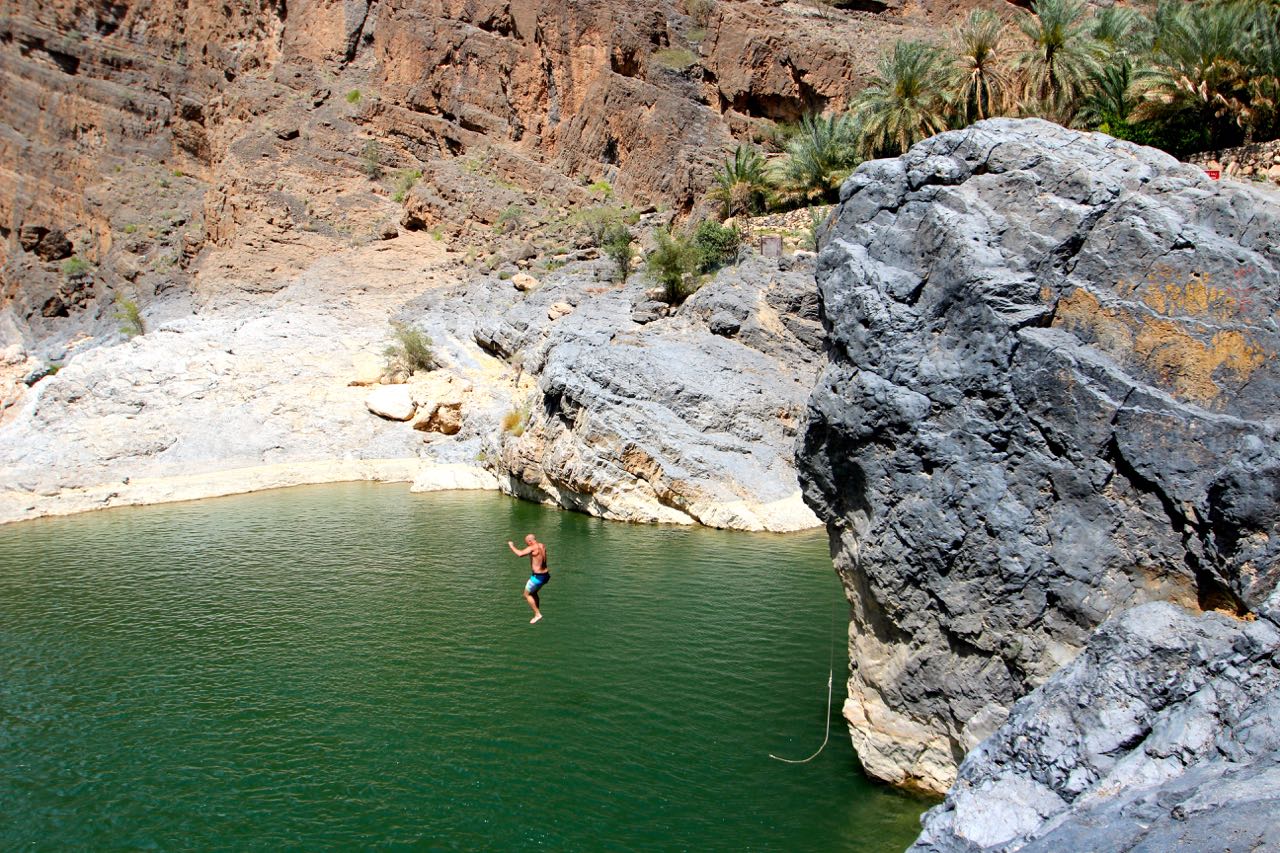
{"x": 1163, "y": 735}
{"x": 1052, "y": 395}
{"x": 663, "y": 420}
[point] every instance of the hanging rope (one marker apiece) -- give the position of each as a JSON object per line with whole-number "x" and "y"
{"x": 831, "y": 651}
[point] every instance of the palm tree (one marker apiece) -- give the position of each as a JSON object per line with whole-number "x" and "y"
{"x": 1263, "y": 59}
{"x": 905, "y": 102}
{"x": 1121, "y": 28}
{"x": 983, "y": 81}
{"x": 819, "y": 157}
{"x": 1059, "y": 58}
{"x": 742, "y": 184}
{"x": 1114, "y": 93}
{"x": 1199, "y": 67}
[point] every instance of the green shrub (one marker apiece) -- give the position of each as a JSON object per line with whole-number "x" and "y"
{"x": 672, "y": 263}
{"x": 597, "y": 221}
{"x": 353, "y": 97}
{"x": 700, "y": 11}
{"x": 130, "y": 228}
{"x": 129, "y": 315}
{"x": 405, "y": 180}
{"x": 604, "y": 188}
{"x": 371, "y": 159}
{"x": 509, "y": 219}
{"x": 617, "y": 246}
{"x": 715, "y": 244}
{"x": 675, "y": 58}
{"x": 411, "y": 350}
{"x": 75, "y": 266}
{"x": 812, "y": 230}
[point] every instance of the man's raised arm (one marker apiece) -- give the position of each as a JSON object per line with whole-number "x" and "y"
{"x": 524, "y": 552}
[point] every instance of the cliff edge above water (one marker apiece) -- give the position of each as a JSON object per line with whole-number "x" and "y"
{"x": 1051, "y": 397}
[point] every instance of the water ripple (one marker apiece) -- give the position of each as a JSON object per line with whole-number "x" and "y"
{"x": 352, "y": 666}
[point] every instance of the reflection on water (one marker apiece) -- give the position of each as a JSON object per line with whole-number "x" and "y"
{"x": 352, "y": 665}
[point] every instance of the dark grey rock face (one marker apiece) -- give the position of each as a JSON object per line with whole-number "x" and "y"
{"x": 1163, "y": 735}
{"x": 1052, "y": 395}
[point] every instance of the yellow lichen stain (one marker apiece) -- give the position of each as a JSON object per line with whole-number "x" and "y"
{"x": 1106, "y": 328}
{"x": 1186, "y": 366}
{"x": 1171, "y": 349}
{"x": 1172, "y": 295}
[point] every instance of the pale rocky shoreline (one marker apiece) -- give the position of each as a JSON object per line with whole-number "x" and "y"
{"x": 239, "y": 395}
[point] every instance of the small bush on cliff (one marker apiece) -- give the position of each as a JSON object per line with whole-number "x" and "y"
{"x": 516, "y": 420}
{"x": 716, "y": 245}
{"x": 700, "y": 11}
{"x": 75, "y": 266}
{"x": 678, "y": 59}
{"x": 371, "y": 159}
{"x": 353, "y": 97}
{"x": 404, "y": 182}
{"x": 410, "y": 352}
{"x": 129, "y": 316}
{"x": 597, "y": 221}
{"x": 672, "y": 264}
{"x": 617, "y": 245}
{"x": 510, "y": 219}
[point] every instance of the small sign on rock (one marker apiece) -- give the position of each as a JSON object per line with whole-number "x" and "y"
{"x": 771, "y": 246}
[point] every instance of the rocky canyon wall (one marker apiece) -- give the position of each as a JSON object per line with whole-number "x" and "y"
{"x": 164, "y": 147}
{"x": 1052, "y": 395}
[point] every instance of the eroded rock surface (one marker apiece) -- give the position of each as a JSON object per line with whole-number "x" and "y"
{"x": 653, "y": 420}
{"x": 1052, "y": 395}
{"x": 1164, "y": 734}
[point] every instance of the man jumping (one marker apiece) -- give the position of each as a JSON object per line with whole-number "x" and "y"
{"x": 540, "y": 574}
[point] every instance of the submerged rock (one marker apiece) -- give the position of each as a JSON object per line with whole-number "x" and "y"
{"x": 1052, "y": 395}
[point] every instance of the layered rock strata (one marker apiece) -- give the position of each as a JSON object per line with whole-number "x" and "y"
{"x": 169, "y": 147}
{"x": 633, "y": 412}
{"x": 1052, "y": 395}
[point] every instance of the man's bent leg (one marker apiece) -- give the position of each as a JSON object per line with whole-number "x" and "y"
{"x": 532, "y": 599}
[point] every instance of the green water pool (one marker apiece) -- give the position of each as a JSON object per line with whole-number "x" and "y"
{"x": 352, "y": 667}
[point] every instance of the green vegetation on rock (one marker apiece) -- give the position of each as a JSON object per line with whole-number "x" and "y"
{"x": 75, "y": 266}
{"x": 672, "y": 263}
{"x": 617, "y": 246}
{"x": 716, "y": 245}
{"x": 410, "y": 351}
{"x": 129, "y": 316}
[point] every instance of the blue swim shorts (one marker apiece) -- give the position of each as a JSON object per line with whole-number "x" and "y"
{"x": 537, "y": 582}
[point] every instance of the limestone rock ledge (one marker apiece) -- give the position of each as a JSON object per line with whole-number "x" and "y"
{"x": 654, "y": 421}
{"x": 1052, "y": 395}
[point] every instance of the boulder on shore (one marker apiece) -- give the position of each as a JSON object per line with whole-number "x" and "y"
{"x": 392, "y": 402}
